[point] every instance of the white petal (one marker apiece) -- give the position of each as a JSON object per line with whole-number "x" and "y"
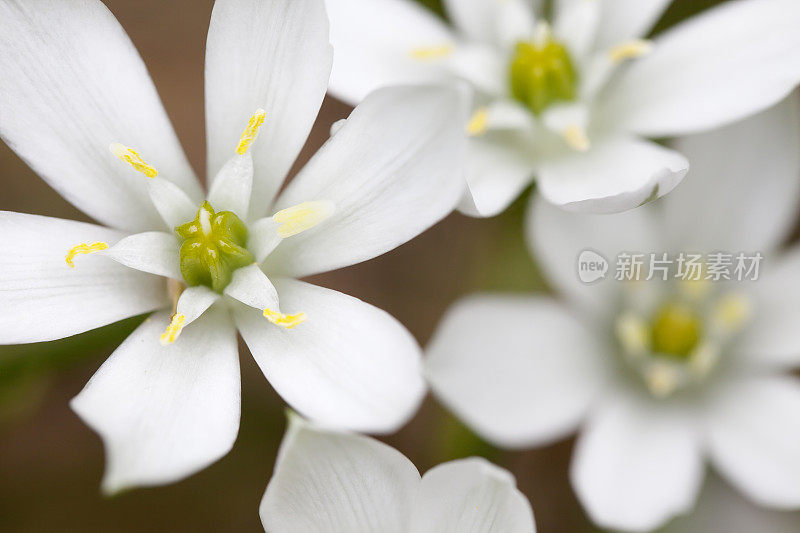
{"x": 520, "y": 371}
{"x": 556, "y": 238}
{"x": 492, "y": 22}
{"x": 252, "y": 287}
{"x": 637, "y": 464}
{"x": 265, "y": 55}
{"x": 72, "y": 84}
{"x": 728, "y": 63}
{"x": 374, "y": 44}
{"x": 773, "y": 338}
{"x": 154, "y": 252}
{"x": 496, "y": 174}
{"x": 165, "y": 412}
{"x": 732, "y": 200}
{"x": 233, "y": 185}
{"x": 174, "y": 206}
{"x": 754, "y": 428}
{"x": 393, "y": 170}
{"x": 194, "y": 301}
{"x": 576, "y": 25}
{"x": 614, "y": 175}
{"x": 349, "y": 365}
{"x": 479, "y": 65}
{"x": 623, "y": 20}
{"x": 263, "y": 238}
{"x": 329, "y": 482}
{"x": 44, "y": 299}
{"x": 470, "y": 496}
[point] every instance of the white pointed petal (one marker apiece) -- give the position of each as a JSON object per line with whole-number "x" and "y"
{"x": 233, "y": 185}
{"x": 492, "y": 22}
{"x": 165, "y": 412}
{"x": 375, "y": 42}
{"x": 348, "y": 365}
{"x": 615, "y": 174}
{"x": 730, "y": 62}
{"x": 623, "y": 20}
{"x": 393, "y": 170}
{"x": 732, "y": 200}
{"x": 154, "y": 252}
{"x": 481, "y": 66}
{"x": 270, "y": 55}
{"x": 496, "y": 361}
{"x": 329, "y": 482}
{"x": 576, "y": 26}
{"x": 72, "y": 84}
{"x": 252, "y": 287}
{"x": 496, "y": 172}
{"x": 773, "y": 338}
{"x": 174, "y": 206}
{"x": 263, "y": 238}
{"x": 194, "y": 301}
{"x": 470, "y": 496}
{"x": 45, "y": 300}
{"x": 754, "y": 428}
{"x": 556, "y": 239}
{"x": 637, "y": 464}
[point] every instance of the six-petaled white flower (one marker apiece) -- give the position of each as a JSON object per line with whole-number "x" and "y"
{"x": 659, "y": 374}
{"x": 167, "y": 401}
{"x": 334, "y": 482}
{"x": 572, "y": 103}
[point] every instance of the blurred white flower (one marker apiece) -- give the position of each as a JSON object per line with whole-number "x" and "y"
{"x": 332, "y": 482}
{"x": 167, "y": 401}
{"x": 658, "y": 374}
{"x": 573, "y": 102}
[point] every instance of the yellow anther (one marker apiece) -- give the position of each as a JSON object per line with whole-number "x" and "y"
{"x": 661, "y": 380}
{"x": 130, "y": 156}
{"x": 284, "y": 321}
{"x": 479, "y": 122}
{"x": 633, "y": 334}
{"x": 703, "y": 359}
{"x": 251, "y": 131}
{"x": 732, "y": 311}
{"x": 173, "y": 330}
{"x": 302, "y": 217}
{"x": 630, "y": 50}
{"x": 85, "y": 248}
{"x": 576, "y": 138}
{"x": 426, "y": 53}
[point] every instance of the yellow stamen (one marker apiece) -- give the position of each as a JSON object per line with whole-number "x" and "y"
{"x": 732, "y": 311}
{"x": 132, "y": 157}
{"x": 479, "y": 122}
{"x": 630, "y": 50}
{"x": 703, "y": 359}
{"x": 302, "y": 217}
{"x": 576, "y": 138}
{"x": 633, "y": 334}
{"x": 251, "y": 131}
{"x": 85, "y": 248}
{"x": 426, "y": 53}
{"x": 661, "y": 380}
{"x": 173, "y": 330}
{"x": 284, "y": 321}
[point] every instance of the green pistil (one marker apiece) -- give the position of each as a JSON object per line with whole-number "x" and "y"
{"x": 214, "y": 246}
{"x": 542, "y": 75}
{"x": 675, "y": 331}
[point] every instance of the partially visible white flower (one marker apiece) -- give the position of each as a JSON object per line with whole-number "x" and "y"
{"x": 333, "y": 482}
{"x": 572, "y": 102}
{"x": 658, "y": 374}
{"x": 167, "y": 402}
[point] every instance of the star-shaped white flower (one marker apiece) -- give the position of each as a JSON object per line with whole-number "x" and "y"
{"x": 333, "y": 482}
{"x": 572, "y": 103}
{"x": 658, "y": 374}
{"x": 167, "y": 401}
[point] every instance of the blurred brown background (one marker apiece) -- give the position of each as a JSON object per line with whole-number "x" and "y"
{"x": 51, "y": 464}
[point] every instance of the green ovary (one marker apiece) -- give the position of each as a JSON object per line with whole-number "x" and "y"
{"x": 675, "y": 331}
{"x": 542, "y": 75}
{"x": 214, "y": 246}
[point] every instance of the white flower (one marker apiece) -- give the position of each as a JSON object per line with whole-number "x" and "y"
{"x": 573, "y": 103}
{"x": 167, "y": 401}
{"x": 332, "y": 482}
{"x": 657, "y": 374}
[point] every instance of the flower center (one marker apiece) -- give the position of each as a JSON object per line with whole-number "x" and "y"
{"x": 542, "y": 73}
{"x": 675, "y": 331}
{"x": 213, "y": 247}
